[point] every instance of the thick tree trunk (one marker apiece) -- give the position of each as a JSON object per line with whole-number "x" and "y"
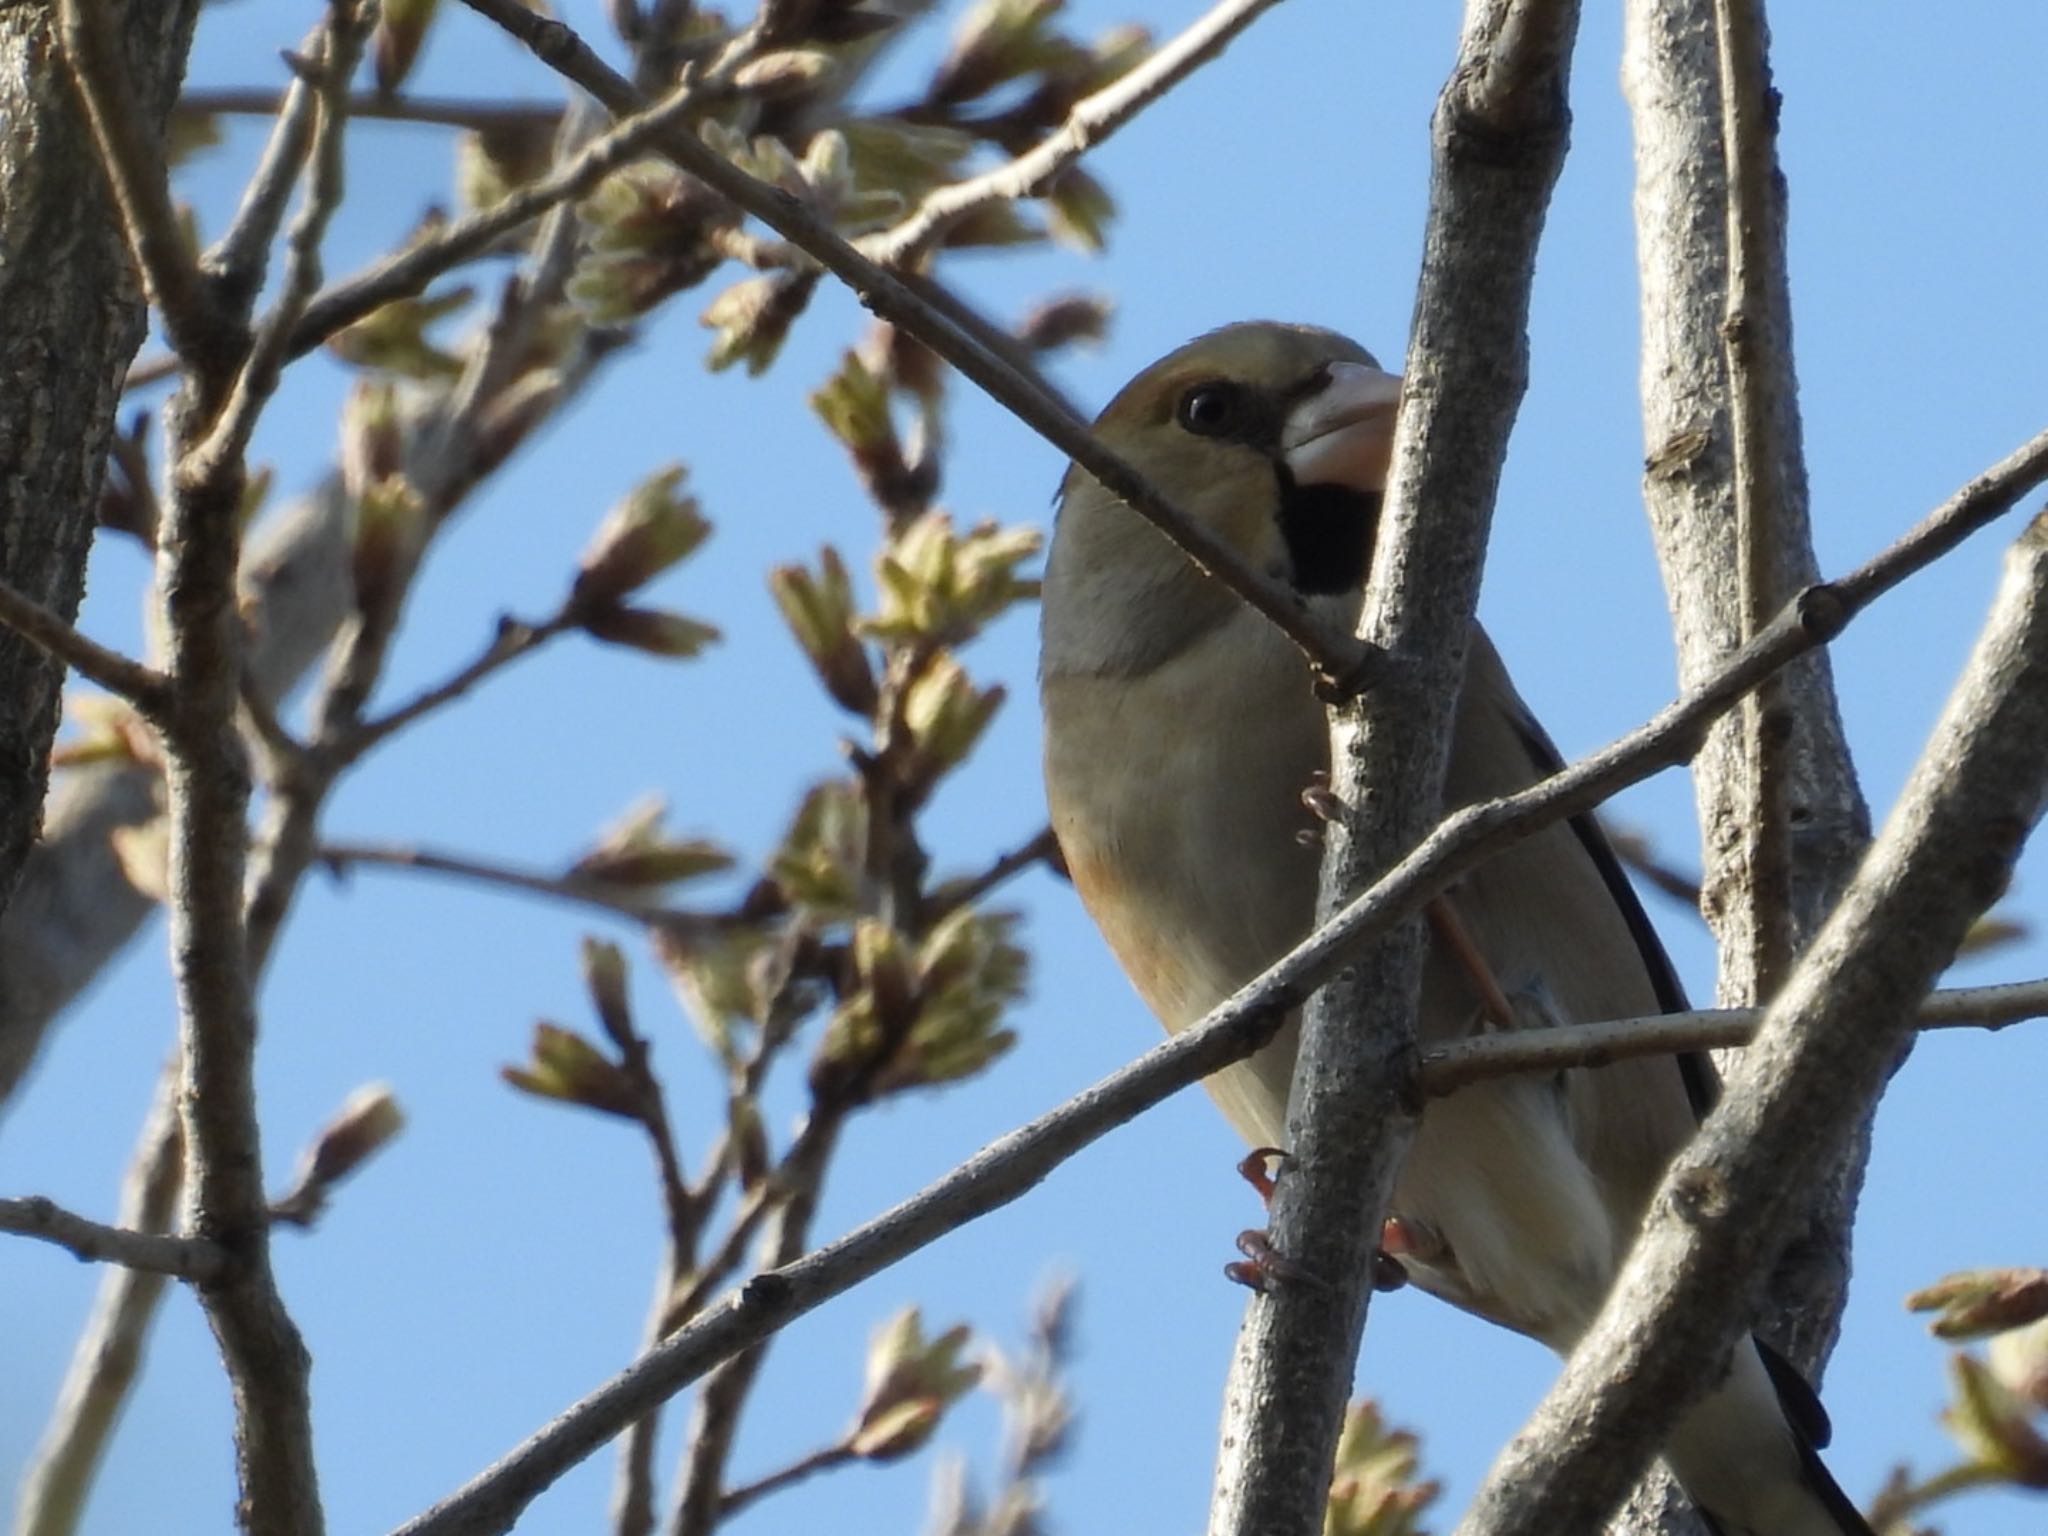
{"x": 71, "y": 317}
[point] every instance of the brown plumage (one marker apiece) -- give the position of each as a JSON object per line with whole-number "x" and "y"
{"x": 1181, "y": 730}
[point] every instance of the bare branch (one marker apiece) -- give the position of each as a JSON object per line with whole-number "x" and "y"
{"x": 512, "y": 641}
{"x": 1498, "y": 141}
{"x": 633, "y": 903}
{"x": 341, "y": 46}
{"x": 1041, "y": 848}
{"x": 1756, "y": 371}
{"x": 182, "y": 1258}
{"x": 1827, "y": 1044}
{"x": 109, "y": 1351}
{"x": 1339, "y": 657}
{"x": 143, "y": 686}
{"x": 824, "y": 1459}
{"x": 1092, "y": 120}
{"x": 242, "y": 254}
{"x": 1460, "y": 1063}
{"x": 440, "y": 111}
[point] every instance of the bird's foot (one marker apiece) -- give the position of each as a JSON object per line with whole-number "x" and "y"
{"x": 1260, "y": 1168}
{"x": 1263, "y": 1266}
{"x": 1321, "y": 801}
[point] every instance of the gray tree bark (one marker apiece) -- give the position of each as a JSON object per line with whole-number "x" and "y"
{"x": 71, "y": 317}
{"x": 1671, "y": 75}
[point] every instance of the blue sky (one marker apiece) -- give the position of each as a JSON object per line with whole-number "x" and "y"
{"x": 497, "y": 1262}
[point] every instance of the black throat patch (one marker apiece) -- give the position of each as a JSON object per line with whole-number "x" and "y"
{"x": 1329, "y": 531}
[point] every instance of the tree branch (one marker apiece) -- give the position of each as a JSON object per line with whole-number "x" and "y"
{"x": 109, "y": 1352}
{"x": 341, "y": 45}
{"x": 409, "y": 271}
{"x": 182, "y": 1258}
{"x": 1093, "y": 119}
{"x": 143, "y": 686}
{"x": 241, "y": 256}
{"x": 1498, "y": 139}
{"x": 1460, "y": 1063}
{"x": 1828, "y": 1042}
{"x": 1338, "y": 656}
{"x": 439, "y": 111}
{"x": 1671, "y": 76}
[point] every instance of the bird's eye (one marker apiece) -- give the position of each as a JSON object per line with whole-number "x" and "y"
{"x": 1211, "y": 410}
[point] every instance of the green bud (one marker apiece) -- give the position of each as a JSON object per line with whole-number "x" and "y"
{"x": 567, "y": 1067}
{"x": 910, "y": 1383}
{"x": 649, "y": 630}
{"x": 653, "y": 528}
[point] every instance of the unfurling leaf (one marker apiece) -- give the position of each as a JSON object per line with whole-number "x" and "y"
{"x": 1994, "y": 1425}
{"x": 911, "y": 1382}
{"x": 820, "y": 612}
{"x": 941, "y": 585}
{"x": 752, "y": 318}
{"x": 1976, "y": 1302}
{"x": 819, "y": 862}
{"x": 1064, "y": 321}
{"x": 786, "y": 72}
{"x": 1373, "y": 1491}
{"x": 392, "y": 338}
{"x": 636, "y": 851}
{"x": 144, "y": 853}
{"x": 649, "y": 630}
{"x": 653, "y": 528}
{"x": 567, "y": 1067}
{"x": 945, "y": 715}
{"x": 368, "y": 1121}
{"x": 1080, "y": 209}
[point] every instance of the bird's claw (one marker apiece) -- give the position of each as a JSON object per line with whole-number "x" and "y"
{"x": 1264, "y": 1265}
{"x": 1259, "y": 1168}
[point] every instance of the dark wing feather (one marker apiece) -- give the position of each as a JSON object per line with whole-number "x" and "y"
{"x": 1702, "y": 1083}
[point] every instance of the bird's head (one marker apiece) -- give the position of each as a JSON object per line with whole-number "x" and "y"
{"x": 1276, "y": 437}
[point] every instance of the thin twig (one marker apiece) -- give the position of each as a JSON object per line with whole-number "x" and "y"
{"x": 158, "y": 1253}
{"x": 270, "y": 348}
{"x": 151, "y": 370}
{"x": 143, "y": 686}
{"x": 134, "y": 165}
{"x": 622, "y": 901}
{"x": 1757, "y": 477}
{"x": 1041, "y": 848}
{"x": 409, "y": 271}
{"x": 242, "y": 254}
{"x": 1343, "y": 662}
{"x": 109, "y": 1349}
{"x": 714, "y": 1425}
{"x": 512, "y": 640}
{"x": 440, "y": 111}
{"x": 1460, "y": 1063}
{"x": 824, "y": 1459}
{"x": 1009, "y": 1167}
{"x": 1092, "y": 120}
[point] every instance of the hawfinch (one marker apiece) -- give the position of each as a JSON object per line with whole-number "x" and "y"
{"x": 1181, "y": 730}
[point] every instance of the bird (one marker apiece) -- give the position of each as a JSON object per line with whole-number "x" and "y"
{"x": 1181, "y": 730}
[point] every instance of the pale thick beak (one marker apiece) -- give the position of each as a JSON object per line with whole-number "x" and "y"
{"x": 1344, "y": 433}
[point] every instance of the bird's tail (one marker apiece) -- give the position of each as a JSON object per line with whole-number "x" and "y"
{"x": 1748, "y": 1455}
